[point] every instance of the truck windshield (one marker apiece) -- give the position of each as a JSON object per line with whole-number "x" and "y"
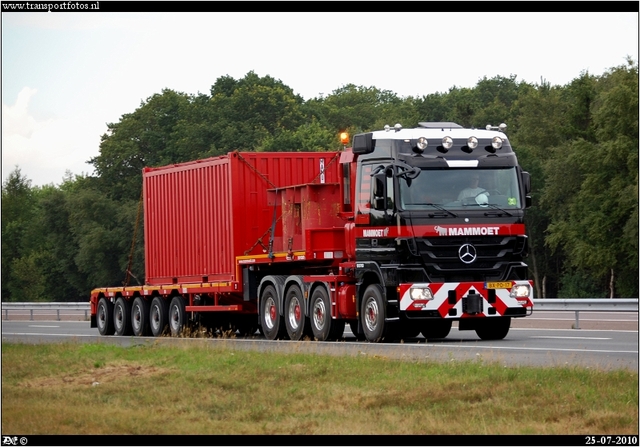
{"x": 460, "y": 189}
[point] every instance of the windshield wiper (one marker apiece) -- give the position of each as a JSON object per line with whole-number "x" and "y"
{"x": 496, "y": 207}
{"x": 441, "y": 208}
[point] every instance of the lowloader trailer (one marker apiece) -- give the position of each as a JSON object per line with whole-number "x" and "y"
{"x": 402, "y": 233}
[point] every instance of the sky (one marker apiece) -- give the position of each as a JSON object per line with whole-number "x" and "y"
{"x": 65, "y": 76}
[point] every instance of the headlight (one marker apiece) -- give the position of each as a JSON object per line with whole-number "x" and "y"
{"x": 521, "y": 292}
{"x": 472, "y": 142}
{"x": 421, "y": 293}
{"x": 496, "y": 142}
{"x": 447, "y": 142}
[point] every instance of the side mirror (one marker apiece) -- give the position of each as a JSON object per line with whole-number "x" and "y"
{"x": 379, "y": 193}
{"x": 526, "y": 182}
{"x": 362, "y": 143}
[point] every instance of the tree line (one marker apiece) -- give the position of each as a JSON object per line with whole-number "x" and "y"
{"x": 579, "y": 141}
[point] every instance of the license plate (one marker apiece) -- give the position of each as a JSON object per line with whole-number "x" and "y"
{"x": 498, "y": 285}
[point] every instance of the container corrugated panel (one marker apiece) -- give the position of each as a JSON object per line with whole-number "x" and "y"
{"x": 200, "y": 215}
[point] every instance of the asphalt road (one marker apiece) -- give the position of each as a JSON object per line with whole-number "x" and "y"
{"x": 605, "y": 340}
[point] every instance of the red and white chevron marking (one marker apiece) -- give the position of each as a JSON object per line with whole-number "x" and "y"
{"x": 441, "y": 303}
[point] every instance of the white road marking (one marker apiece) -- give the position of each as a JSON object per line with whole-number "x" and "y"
{"x": 46, "y": 335}
{"x": 571, "y": 338}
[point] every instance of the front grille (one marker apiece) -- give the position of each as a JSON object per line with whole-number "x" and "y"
{"x": 497, "y": 258}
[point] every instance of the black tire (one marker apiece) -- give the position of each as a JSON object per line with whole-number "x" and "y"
{"x": 494, "y": 328}
{"x": 177, "y": 316}
{"x": 270, "y": 315}
{"x": 140, "y": 317}
{"x": 122, "y": 316}
{"x": 104, "y": 317}
{"x": 373, "y": 313}
{"x": 436, "y": 328}
{"x": 294, "y": 315}
{"x": 323, "y": 326}
{"x": 408, "y": 329}
{"x": 158, "y": 316}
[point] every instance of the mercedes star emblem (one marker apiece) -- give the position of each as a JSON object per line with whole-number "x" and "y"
{"x": 467, "y": 253}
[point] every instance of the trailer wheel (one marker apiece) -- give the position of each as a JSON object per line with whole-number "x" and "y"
{"x": 295, "y": 319}
{"x": 140, "y": 317}
{"x": 494, "y": 328}
{"x": 105, "y": 317}
{"x": 122, "y": 316}
{"x": 177, "y": 316}
{"x": 270, "y": 319}
{"x": 322, "y": 325}
{"x": 373, "y": 313}
{"x": 436, "y": 328}
{"x": 158, "y": 316}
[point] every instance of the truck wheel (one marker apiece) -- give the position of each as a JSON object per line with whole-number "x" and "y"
{"x": 158, "y": 316}
{"x": 270, "y": 319}
{"x": 140, "y": 317}
{"x": 373, "y": 313}
{"x": 436, "y": 328}
{"x": 322, "y": 325}
{"x": 295, "y": 319}
{"x": 105, "y": 317}
{"x": 407, "y": 329}
{"x": 494, "y": 328}
{"x": 177, "y": 316}
{"x": 122, "y": 316}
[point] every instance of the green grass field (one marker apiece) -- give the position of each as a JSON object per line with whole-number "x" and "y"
{"x": 154, "y": 389}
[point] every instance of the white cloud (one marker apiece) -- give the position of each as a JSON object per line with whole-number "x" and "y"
{"x": 44, "y": 150}
{"x": 16, "y": 120}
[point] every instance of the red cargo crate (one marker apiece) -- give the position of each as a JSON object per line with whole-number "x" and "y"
{"x": 200, "y": 215}
{"x": 310, "y": 220}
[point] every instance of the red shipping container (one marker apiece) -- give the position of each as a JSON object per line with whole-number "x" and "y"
{"x": 200, "y": 215}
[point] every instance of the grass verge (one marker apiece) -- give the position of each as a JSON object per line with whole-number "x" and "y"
{"x": 154, "y": 389}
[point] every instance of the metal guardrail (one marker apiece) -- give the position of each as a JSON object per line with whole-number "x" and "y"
{"x": 576, "y": 305}
{"x": 586, "y": 305}
{"x": 31, "y": 307}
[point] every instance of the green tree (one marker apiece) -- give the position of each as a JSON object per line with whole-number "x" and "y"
{"x": 193, "y": 136}
{"x": 142, "y": 138}
{"x": 103, "y": 229}
{"x": 245, "y": 112}
{"x": 592, "y": 190}
{"x": 491, "y": 101}
{"x": 309, "y": 137}
{"x": 360, "y": 109}
{"x": 495, "y": 98}
{"x": 17, "y": 213}
{"x": 578, "y": 96}
{"x": 435, "y": 107}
